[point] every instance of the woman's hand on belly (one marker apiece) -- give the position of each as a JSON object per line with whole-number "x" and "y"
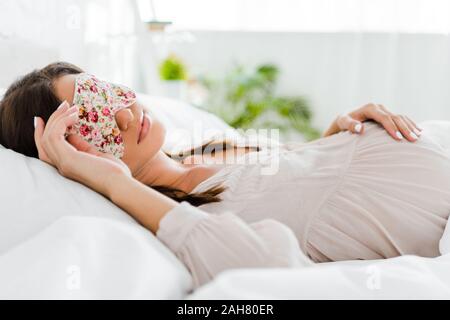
{"x": 397, "y": 126}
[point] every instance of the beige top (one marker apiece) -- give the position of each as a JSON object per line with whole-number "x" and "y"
{"x": 344, "y": 197}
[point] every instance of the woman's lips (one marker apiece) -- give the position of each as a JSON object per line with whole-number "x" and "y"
{"x": 145, "y": 126}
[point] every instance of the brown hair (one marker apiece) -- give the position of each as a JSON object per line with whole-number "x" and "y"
{"x": 33, "y": 95}
{"x": 29, "y": 96}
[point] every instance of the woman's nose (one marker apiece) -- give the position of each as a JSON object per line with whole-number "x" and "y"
{"x": 123, "y": 118}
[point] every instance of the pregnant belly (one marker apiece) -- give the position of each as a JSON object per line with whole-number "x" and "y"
{"x": 394, "y": 199}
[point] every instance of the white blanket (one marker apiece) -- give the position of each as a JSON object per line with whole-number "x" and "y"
{"x": 406, "y": 277}
{"x": 100, "y": 258}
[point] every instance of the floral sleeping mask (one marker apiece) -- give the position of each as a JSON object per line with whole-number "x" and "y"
{"x": 98, "y": 102}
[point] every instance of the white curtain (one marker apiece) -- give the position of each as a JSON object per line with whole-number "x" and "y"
{"x": 98, "y": 35}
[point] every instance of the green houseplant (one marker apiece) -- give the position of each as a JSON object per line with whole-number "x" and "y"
{"x": 173, "y": 73}
{"x": 172, "y": 69}
{"x": 246, "y": 99}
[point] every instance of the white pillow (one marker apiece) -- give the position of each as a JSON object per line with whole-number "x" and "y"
{"x": 33, "y": 195}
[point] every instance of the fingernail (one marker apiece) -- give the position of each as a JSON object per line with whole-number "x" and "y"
{"x": 413, "y": 135}
{"x": 417, "y": 132}
{"x": 35, "y": 121}
{"x": 358, "y": 128}
{"x": 399, "y": 135}
{"x": 62, "y": 105}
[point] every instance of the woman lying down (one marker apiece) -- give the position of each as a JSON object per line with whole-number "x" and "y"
{"x": 375, "y": 186}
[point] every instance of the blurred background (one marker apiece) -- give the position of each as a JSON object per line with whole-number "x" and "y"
{"x": 292, "y": 64}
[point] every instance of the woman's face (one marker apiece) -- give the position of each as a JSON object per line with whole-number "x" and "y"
{"x": 142, "y": 133}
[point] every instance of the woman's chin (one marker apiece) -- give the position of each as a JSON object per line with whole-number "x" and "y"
{"x": 147, "y": 149}
{"x": 155, "y": 138}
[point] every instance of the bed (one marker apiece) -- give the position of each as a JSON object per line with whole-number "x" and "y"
{"x": 60, "y": 240}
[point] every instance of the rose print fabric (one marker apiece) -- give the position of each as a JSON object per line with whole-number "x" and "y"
{"x": 98, "y": 101}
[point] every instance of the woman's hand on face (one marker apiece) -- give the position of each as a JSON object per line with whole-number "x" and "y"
{"x": 398, "y": 126}
{"x": 73, "y": 157}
